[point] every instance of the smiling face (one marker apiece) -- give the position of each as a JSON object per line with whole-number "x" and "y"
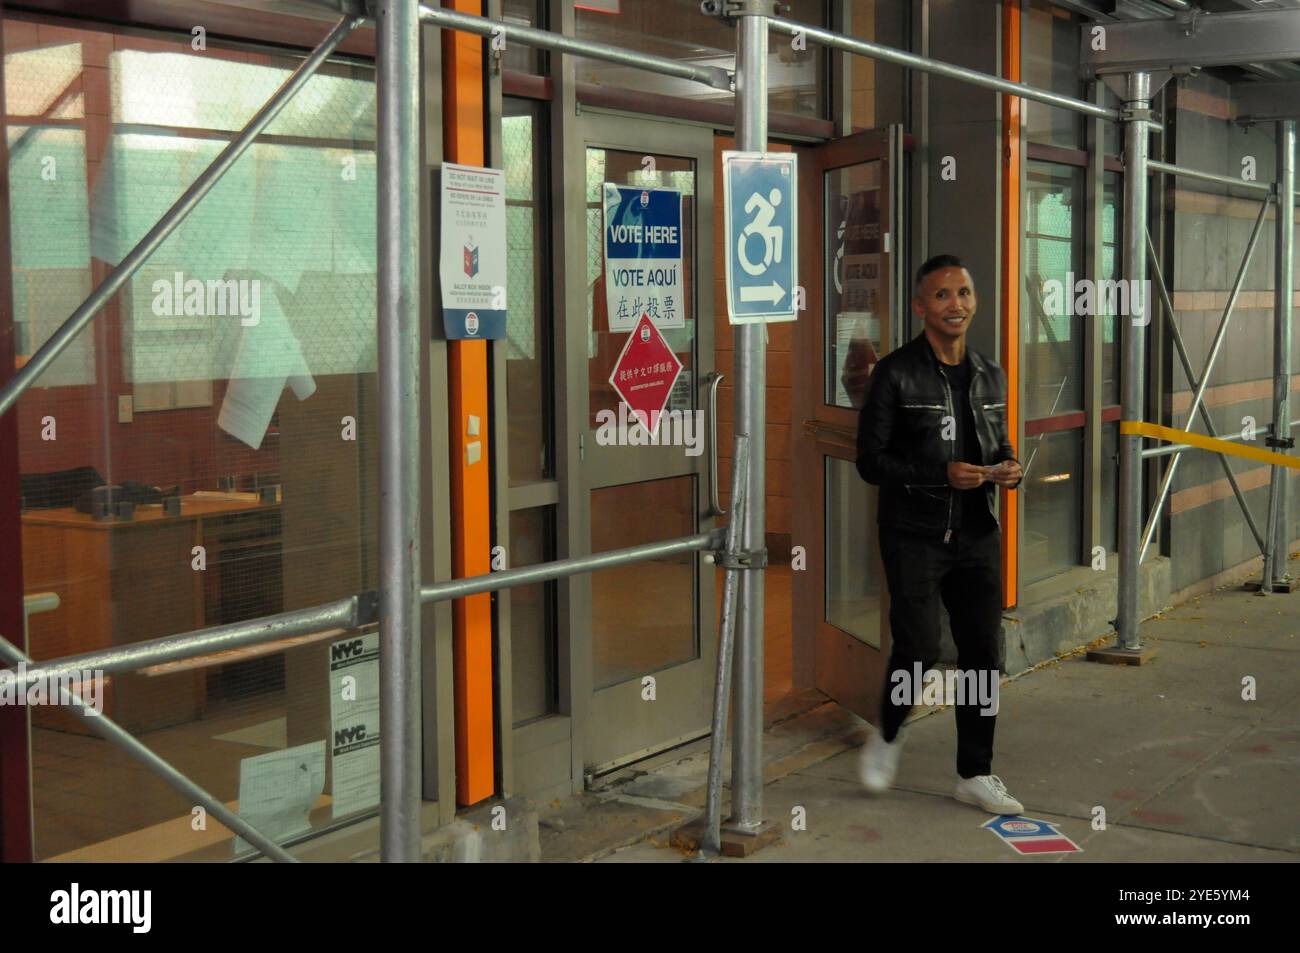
{"x": 945, "y": 301}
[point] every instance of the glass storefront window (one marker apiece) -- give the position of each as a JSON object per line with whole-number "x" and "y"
{"x": 533, "y": 671}
{"x": 1110, "y": 487}
{"x": 1053, "y": 335}
{"x": 854, "y": 333}
{"x": 207, "y": 451}
{"x": 853, "y": 570}
{"x": 1112, "y": 134}
{"x": 1050, "y": 60}
{"x": 1052, "y": 500}
{"x": 528, "y": 356}
{"x": 519, "y": 56}
{"x": 1110, "y": 265}
{"x": 677, "y": 30}
{"x": 878, "y": 93}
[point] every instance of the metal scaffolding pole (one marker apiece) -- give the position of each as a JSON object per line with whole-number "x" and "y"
{"x": 1279, "y": 527}
{"x": 562, "y": 568}
{"x": 712, "y": 76}
{"x": 111, "y": 731}
{"x": 711, "y": 836}
{"x": 751, "y": 419}
{"x": 1261, "y": 187}
{"x": 1133, "y": 373}
{"x": 137, "y": 256}
{"x": 1169, "y": 449}
{"x": 1213, "y": 431}
{"x": 923, "y": 64}
{"x": 349, "y": 612}
{"x": 397, "y": 26}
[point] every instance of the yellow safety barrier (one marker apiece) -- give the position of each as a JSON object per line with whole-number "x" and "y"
{"x": 1208, "y": 443}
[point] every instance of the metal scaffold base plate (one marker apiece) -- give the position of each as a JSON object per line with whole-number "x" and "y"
{"x": 734, "y": 843}
{"x": 1280, "y": 586}
{"x": 1114, "y": 655}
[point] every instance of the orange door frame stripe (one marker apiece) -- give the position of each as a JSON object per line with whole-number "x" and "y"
{"x": 465, "y": 135}
{"x": 1011, "y": 121}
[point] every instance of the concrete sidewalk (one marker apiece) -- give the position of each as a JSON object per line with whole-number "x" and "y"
{"x": 1185, "y": 769}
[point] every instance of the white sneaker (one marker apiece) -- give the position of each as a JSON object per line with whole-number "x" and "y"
{"x": 988, "y": 792}
{"x": 879, "y": 762}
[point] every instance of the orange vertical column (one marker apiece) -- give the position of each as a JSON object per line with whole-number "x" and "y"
{"x": 1010, "y": 291}
{"x": 464, "y": 135}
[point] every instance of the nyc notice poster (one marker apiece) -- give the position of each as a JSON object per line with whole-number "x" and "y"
{"x": 354, "y": 723}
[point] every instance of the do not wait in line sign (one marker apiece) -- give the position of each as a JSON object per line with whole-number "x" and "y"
{"x": 760, "y": 202}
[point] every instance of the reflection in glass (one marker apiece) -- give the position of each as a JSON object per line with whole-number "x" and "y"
{"x": 853, "y": 570}
{"x": 1110, "y": 487}
{"x": 1110, "y": 264}
{"x": 223, "y": 464}
{"x": 49, "y": 228}
{"x": 676, "y": 30}
{"x": 1050, "y": 45}
{"x": 878, "y": 89}
{"x": 854, "y": 333}
{"x": 519, "y": 56}
{"x": 1053, "y": 336}
{"x": 643, "y": 614}
{"x": 532, "y": 617}
{"x": 528, "y": 364}
{"x": 1052, "y": 501}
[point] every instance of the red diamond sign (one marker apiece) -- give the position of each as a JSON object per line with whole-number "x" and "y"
{"x": 644, "y": 374}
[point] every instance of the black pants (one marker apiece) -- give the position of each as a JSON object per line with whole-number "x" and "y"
{"x": 966, "y": 573}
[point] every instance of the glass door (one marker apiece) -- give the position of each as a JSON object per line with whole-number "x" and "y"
{"x": 840, "y": 600}
{"x": 652, "y": 624}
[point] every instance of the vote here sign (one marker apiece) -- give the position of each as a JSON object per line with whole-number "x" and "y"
{"x": 643, "y": 257}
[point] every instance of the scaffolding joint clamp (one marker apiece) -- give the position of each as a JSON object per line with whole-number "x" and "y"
{"x": 1280, "y": 443}
{"x": 367, "y": 608}
{"x": 744, "y": 559}
{"x": 729, "y": 10}
{"x": 1131, "y": 113}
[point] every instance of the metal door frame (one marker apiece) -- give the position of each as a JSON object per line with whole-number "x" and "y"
{"x": 596, "y": 470}
{"x": 828, "y": 431}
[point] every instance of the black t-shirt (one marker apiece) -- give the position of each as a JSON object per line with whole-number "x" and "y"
{"x": 973, "y": 511}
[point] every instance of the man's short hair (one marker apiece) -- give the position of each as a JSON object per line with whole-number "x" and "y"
{"x": 934, "y": 264}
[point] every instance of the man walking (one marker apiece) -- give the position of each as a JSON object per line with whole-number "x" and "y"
{"x": 932, "y": 434}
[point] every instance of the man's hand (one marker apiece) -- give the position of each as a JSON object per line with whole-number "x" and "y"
{"x": 966, "y": 476}
{"x": 1007, "y": 474}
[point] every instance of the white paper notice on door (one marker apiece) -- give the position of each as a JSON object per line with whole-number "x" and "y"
{"x": 354, "y": 723}
{"x": 277, "y": 791}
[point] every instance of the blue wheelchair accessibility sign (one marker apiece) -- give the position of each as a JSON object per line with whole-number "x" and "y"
{"x": 761, "y": 210}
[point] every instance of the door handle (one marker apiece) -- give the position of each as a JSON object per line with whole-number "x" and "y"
{"x": 713, "y": 379}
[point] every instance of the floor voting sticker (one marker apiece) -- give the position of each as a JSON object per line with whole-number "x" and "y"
{"x": 1027, "y": 835}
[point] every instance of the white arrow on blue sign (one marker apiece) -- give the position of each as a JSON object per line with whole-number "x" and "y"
{"x": 761, "y": 208}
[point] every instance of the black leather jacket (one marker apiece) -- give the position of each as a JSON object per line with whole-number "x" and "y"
{"x": 900, "y": 443}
